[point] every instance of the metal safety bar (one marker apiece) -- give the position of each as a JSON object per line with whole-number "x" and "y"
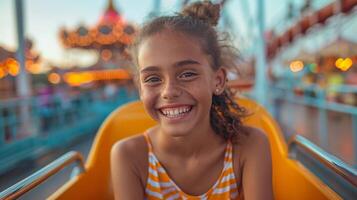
{"x": 43, "y": 174}
{"x": 328, "y": 160}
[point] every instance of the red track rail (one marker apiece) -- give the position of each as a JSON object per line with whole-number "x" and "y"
{"x": 306, "y": 22}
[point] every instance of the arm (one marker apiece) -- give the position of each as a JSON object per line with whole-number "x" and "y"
{"x": 257, "y": 169}
{"x": 125, "y": 176}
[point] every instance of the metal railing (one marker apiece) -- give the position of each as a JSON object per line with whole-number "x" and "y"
{"x": 331, "y": 170}
{"x": 55, "y": 120}
{"x": 329, "y": 160}
{"x": 43, "y": 174}
{"x": 315, "y": 97}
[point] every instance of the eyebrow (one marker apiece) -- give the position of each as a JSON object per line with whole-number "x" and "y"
{"x": 186, "y": 62}
{"x": 150, "y": 69}
{"x": 178, "y": 64}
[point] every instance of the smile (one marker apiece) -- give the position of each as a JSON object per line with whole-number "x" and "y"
{"x": 176, "y": 112}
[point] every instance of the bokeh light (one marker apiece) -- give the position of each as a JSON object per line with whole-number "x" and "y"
{"x": 296, "y": 66}
{"x": 54, "y": 78}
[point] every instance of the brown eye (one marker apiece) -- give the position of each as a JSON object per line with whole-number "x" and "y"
{"x": 152, "y": 79}
{"x": 187, "y": 75}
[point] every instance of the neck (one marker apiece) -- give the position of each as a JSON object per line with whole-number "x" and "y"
{"x": 201, "y": 140}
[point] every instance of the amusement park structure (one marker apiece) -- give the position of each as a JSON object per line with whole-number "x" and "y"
{"x": 306, "y": 22}
{"x": 10, "y": 68}
{"x": 110, "y": 38}
{"x": 308, "y": 83}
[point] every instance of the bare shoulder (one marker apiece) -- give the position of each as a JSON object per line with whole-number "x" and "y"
{"x": 255, "y": 164}
{"x": 254, "y": 144}
{"x": 132, "y": 145}
{"x": 128, "y": 164}
{"x": 133, "y": 149}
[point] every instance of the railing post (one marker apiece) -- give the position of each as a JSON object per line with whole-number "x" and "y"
{"x": 354, "y": 135}
{"x": 2, "y": 129}
{"x": 323, "y": 121}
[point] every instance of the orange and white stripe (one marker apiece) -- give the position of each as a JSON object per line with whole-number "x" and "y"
{"x": 160, "y": 186}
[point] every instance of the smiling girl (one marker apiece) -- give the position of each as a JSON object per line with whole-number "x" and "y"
{"x": 199, "y": 148}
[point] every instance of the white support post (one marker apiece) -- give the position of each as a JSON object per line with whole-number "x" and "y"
{"x": 261, "y": 82}
{"x": 22, "y": 80}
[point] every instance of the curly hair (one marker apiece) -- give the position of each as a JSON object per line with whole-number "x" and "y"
{"x": 199, "y": 20}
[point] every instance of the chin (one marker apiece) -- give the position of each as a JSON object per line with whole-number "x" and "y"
{"x": 176, "y": 131}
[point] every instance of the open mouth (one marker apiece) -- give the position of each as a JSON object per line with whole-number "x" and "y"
{"x": 176, "y": 112}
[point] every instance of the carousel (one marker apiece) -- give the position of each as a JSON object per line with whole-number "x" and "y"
{"x": 110, "y": 38}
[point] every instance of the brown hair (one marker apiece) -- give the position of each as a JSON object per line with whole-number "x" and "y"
{"x": 199, "y": 20}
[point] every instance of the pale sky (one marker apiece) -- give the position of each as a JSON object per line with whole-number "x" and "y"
{"x": 43, "y": 19}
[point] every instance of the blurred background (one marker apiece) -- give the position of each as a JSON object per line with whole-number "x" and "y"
{"x": 64, "y": 66}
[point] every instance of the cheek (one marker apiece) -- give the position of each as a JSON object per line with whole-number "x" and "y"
{"x": 202, "y": 92}
{"x": 148, "y": 98}
{"x": 204, "y": 88}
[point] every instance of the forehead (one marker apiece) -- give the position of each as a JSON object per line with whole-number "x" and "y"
{"x": 167, "y": 47}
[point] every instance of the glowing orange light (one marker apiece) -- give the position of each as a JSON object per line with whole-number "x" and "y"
{"x": 79, "y": 78}
{"x": 73, "y": 79}
{"x": 28, "y": 64}
{"x": 296, "y": 66}
{"x": 86, "y": 77}
{"x": 54, "y": 78}
{"x": 12, "y": 66}
{"x": 2, "y": 73}
{"x": 14, "y": 70}
{"x": 32, "y": 67}
{"x": 36, "y": 68}
{"x": 106, "y": 54}
{"x": 343, "y": 64}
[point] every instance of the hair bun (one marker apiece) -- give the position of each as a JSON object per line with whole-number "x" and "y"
{"x": 203, "y": 10}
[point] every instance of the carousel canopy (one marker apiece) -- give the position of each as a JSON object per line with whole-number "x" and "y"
{"x": 111, "y": 32}
{"x": 340, "y": 47}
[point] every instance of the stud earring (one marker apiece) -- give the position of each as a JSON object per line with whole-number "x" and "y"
{"x": 217, "y": 91}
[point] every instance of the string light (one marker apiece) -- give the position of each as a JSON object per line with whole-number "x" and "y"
{"x": 80, "y": 78}
{"x": 106, "y": 54}
{"x": 343, "y": 64}
{"x": 54, "y": 78}
{"x": 12, "y": 66}
{"x": 296, "y": 66}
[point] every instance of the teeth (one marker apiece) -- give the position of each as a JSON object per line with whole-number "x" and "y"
{"x": 174, "y": 112}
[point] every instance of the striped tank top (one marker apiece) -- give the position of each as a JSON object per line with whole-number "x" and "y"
{"x": 160, "y": 186}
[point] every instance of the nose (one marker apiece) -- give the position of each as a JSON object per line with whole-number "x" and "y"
{"x": 171, "y": 90}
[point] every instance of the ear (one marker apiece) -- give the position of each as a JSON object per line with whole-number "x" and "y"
{"x": 220, "y": 77}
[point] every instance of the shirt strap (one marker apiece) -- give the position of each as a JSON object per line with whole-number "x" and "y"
{"x": 147, "y": 139}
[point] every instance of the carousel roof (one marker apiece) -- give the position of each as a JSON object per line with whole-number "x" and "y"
{"x": 340, "y": 47}
{"x": 111, "y": 15}
{"x": 110, "y": 32}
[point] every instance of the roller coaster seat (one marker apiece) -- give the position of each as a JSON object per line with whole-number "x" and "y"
{"x": 291, "y": 180}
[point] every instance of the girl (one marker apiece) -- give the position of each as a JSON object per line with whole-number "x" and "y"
{"x": 199, "y": 149}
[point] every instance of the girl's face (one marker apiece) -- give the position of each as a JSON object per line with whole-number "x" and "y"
{"x": 177, "y": 82}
